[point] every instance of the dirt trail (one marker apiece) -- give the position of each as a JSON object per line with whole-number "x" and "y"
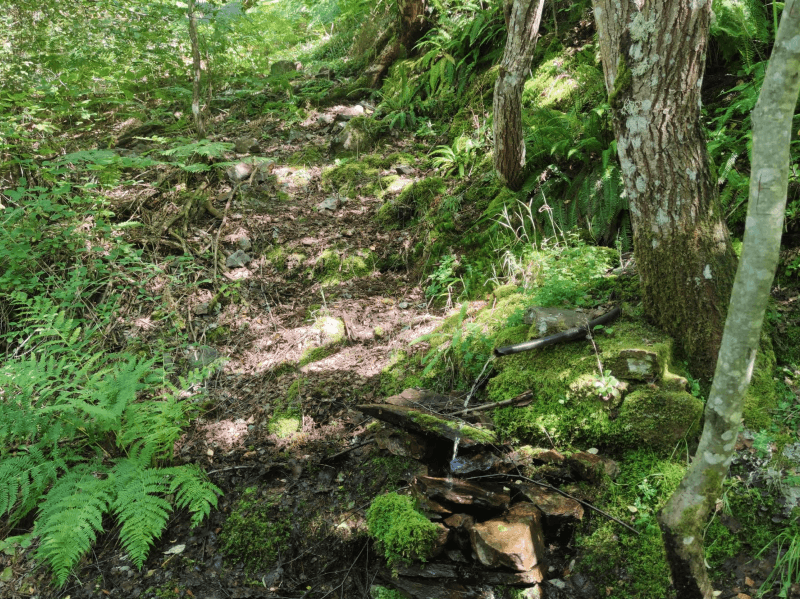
{"x": 313, "y": 485}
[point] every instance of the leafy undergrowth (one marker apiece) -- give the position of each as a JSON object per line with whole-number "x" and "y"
{"x": 143, "y": 375}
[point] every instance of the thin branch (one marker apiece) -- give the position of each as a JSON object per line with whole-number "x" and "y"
{"x": 523, "y": 397}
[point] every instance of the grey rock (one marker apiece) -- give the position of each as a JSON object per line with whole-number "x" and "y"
{"x": 282, "y": 67}
{"x": 244, "y": 243}
{"x": 325, "y": 119}
{"x": 238, "y": 259}
{"x": 549, "y": 321}
{"x": 201, "y": 309}
{"x": 247, "y": 145}
{"x": 353, "y": 138}
{"x": 330, "y": 203}
{"x": 239, "y": 172}
{"x": 404, "y": 170}
{"x": 201, "y": 356}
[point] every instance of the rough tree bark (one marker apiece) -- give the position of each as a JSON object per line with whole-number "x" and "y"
{"x": 396, "y": 41}
{"x": 685, "y": 514}
{"x": 197, "y": 69}
{"x": 653, "y": 54}
{"x": 522, "y": 23}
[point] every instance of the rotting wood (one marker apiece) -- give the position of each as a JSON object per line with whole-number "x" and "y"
{"x": 569, "y": 335}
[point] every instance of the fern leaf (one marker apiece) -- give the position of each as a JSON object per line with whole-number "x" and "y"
{"x": 70, "y": 518}
{"x": 23, "y": 480}
{"x": 139, "y": 507}
{"x": 194, "y": 491}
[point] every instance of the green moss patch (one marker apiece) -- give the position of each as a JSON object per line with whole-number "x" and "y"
{"x": 333, "y": 266}
{"x": 256, "y": 531}
{"x": 411, "y": 203}
{"x": 287, "y": 414}
{"x": 620, "y": 563}
{"x": 404, "y": 533}
{"x": 561, "y": 81}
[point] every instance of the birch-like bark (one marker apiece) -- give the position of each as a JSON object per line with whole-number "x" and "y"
{"x": 522, "y": 22}
{"x": 197, "y": 69}
{"x": 685, "y": 514}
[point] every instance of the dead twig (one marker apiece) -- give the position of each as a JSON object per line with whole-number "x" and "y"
{"x": 566, "y": 495}
{"x": 525, "y": 397}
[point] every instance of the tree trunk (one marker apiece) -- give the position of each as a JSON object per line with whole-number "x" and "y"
{"x": 653, "y": 62}
{"x": 413, "y": 23}
{"x": 685, "y": 514}
{"x": 522, "y": 23}
{"x": 197, "y": 69}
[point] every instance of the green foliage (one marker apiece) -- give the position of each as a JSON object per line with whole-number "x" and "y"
{"x": 460, "y": 157}
{"x": 405, "y": 533}
{"x": 380, "y": 591}
{"x": 468, "y": 34}
{"x": 787, "y": 565}
{"x": 65, "y": 406}
{"x": 256, "y": 531}
{"x": 399, "y": 101}
{"x": 620, "y": 563}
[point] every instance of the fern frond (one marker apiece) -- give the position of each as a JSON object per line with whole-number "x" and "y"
{"x": 139, "y": 507}
{"x": 194, "y": 491}
{"x": 23, "y": 480}
{"x": 70, "y": 518}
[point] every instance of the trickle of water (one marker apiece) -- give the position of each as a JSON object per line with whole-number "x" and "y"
{"x": 455, "y": 448}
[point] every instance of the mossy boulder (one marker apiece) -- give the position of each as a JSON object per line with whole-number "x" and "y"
{"x": 575, "y": 402}
{"x": 411, "y": 203}
{"x": 660, "y": 418}
{"x": 357, "y": 136}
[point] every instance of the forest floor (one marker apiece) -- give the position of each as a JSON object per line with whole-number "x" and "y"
{"x": 314, "y": 484}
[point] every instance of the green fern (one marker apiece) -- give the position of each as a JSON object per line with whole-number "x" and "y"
{"x": 70, "y": 518}
{"x": 139, "y": 506}
{"x": 63, "y": 402}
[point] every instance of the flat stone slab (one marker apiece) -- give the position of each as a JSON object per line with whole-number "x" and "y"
{"x": 592, "y": 467}
{"x": 461, "y": 492}
{"x": 417, "y": 421}
{"x": 636, "y": 364}
{"x": 551, "y": 503}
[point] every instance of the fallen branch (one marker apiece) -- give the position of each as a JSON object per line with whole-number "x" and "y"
{"x": 568, "y": 335}
{"x": 524, "y": 397}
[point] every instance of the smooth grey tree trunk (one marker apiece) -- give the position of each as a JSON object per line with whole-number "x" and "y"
{"x": 683, "y": 518}
{"x": 522, "y": 23}
{"x": 653, "y": 54}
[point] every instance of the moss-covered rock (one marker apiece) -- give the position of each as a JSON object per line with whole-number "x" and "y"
{"x": 660, "y": 418}
{"x": 574, "y": 401}
{"x": 333, "y": 266}
{"x": 411, "y": 203}
{"x": 331, "y": 335}
{"x": 405, "y": 533}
